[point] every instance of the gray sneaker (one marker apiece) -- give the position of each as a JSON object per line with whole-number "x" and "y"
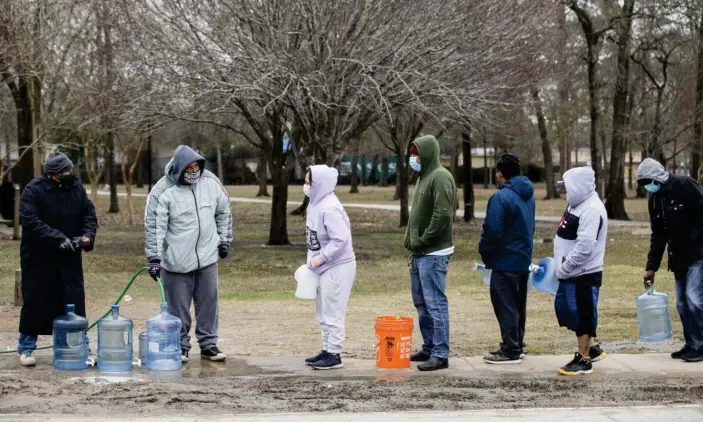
{"x": 27, "y": 358}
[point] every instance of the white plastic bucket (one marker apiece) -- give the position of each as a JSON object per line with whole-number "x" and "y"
{"x": 307, "y": 283}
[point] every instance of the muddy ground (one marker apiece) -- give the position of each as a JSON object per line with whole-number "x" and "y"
{"x": 211, "y": 388}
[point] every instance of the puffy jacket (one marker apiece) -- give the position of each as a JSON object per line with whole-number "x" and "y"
{"x": 580, "y": 241}
{"x": 509, "y": 227}
{"x": 184, "y": 224}
{"x": 432, "y": 215}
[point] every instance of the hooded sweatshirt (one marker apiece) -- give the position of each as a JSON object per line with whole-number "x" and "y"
{"x": 579, "y": 244}
{"x": 185, "y": 223}
{"x": 509, "y": 227}
{"x": 327, "y": 226}
{"x": 430, "y": 225}
{"x": 676, "y": 217}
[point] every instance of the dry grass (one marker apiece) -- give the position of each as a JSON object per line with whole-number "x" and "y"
{"x": 260, "y": 316}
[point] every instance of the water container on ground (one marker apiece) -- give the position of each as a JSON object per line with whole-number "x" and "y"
{"x": 163, "y": 337}
{"x": 115, "y": 348}
{"x": 653, "y": 320}
{"x": 70, "y": 348}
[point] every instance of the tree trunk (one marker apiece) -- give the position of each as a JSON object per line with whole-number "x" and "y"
{"x": 594, "y": 114}
{"x": 615, "y": 192}
{"x": 373, "y": 179}
{"x": 698, "y": 127}
{"x": 486, "y": 170}
{"x": 384, "y": 172}
{"x": 546, "y": 147}
{"x": 396, "y": 195}
{"x": 641, "y": 193}
{"x": 563, "y": 106}
{"x": 111, "y": 172}
{"x": 403, "y": 188}
{"x": 278, "y": 231}
{"x": 455, "y": 161}
{"x": 354, "y": 174}
{"x": 630, "y": 170}
{"x": 362, "y": 178}
{"x": 220, "y": 165}
{"x": 261, "y": 174}
{"x": 468, "y": 180}
{"x": 23, "y": 171}
{"x": 128, "y": 189}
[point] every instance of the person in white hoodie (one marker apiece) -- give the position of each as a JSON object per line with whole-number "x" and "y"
{"x": 331, "y": 256}
{"x": 579, "y": 250}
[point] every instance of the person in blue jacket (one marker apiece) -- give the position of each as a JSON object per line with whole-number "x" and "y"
{"x": 506, "y": 249}
{"x": 58, "y": 224}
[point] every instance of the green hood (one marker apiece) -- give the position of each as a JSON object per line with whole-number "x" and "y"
{"x": 428, "y": 150}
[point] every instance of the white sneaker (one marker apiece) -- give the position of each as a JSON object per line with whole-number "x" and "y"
{"x": 184, "y": 356}
{"x": 27, "y": 359}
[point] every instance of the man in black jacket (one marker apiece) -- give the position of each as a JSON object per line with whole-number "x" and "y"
{"x": 58, "y": 223}
{"x": 676, "y": 216}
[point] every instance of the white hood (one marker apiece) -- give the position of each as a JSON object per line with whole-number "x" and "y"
{"x": 580, "y": 183}
{"x": 652, "y": 169}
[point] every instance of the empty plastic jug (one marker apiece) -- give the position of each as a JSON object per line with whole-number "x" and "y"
{"x": 163, "y": 337}
{"x": 308, "y": 282}
{"x": 70, "y": 348}
{"x": 544, "y": 277}
{"x": 653, "y": 319}
{"x": 486, "y": 275}
{"x": 142, "y": 347}
{"x": 115, "y": 349}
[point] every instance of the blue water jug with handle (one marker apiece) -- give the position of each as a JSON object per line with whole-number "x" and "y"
{"x": 70, "y": 348}
{"x": 163, "y": 338}
{"x": 653, "y": 320}
{"x": 545, "y": 278}
{"x": 115, "y": 344}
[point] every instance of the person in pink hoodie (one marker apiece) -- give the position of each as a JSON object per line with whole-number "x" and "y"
{"x": 330, "y": 256}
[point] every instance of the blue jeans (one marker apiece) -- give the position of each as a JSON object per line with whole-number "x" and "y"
{"x": 689, "y": 303}
{"x": 428, "y": 277}
{"x": 28, "y": 343}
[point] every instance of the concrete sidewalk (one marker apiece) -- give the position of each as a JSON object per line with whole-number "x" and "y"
{"x": 396, "y": 208}
{"x": 599, "y": 414}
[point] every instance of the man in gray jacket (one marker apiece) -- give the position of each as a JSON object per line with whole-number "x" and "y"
{"x": 188, "y": 225}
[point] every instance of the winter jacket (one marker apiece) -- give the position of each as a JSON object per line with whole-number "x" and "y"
{"x": 52, "y": 278}
{"x": 676, "y": 217}
{"x": 327, "y": 226}
{"x": 430, "y": 226}
{"x": 509, "y": 227}
{"x": 184, "y": 224}
{"x": 579, "y": 244}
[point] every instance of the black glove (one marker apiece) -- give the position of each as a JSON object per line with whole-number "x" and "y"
{"x": 223, "y": 251}
{"x": 154, "y": 268}
{"x": 67, "y": 245}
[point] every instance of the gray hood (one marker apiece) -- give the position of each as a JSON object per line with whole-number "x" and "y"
{"x": 580, "y": 183}
{"x": 324, "y": 180}
{"x": 182, "y": 158}
{"x": 651, "y": 169}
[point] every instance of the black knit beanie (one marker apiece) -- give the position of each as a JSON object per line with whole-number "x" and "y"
{"x": 57, "y": 163}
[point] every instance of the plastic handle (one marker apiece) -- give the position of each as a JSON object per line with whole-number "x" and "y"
{"x": 479, "y": 267}
{"x": 535, "y": 269}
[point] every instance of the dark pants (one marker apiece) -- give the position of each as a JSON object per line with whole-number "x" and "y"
{"x": 689, "y": 303}
{"x": 509, "y": 298}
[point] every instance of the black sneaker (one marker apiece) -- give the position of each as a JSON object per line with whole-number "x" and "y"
{"x": 420, "y": 356}
{"x": 501, "y": 359}
{"x": 213, "y": 354}
{"x": 579, "y": 366}
{"x": 596, "y": 354}
{"x": 434, "y": 364}
{"x": 693, "y": 355}
{"x": 316, "y": 357}
{"x": 499, "y": 351}
{"x": 678, "y": 355}
{"x": 328, "y": 361}
{"x": 184, "y": 356}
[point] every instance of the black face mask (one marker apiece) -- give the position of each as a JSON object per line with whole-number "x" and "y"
{"x": 67, "y": 181}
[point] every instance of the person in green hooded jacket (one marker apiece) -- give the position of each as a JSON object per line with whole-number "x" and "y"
{"x": 429, "y": 239}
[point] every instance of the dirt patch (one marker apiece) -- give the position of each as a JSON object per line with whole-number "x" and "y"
{"x": 32, "y": 392}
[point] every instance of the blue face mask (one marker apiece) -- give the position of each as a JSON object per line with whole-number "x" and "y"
{"x": 652, "y": 188}
{"x": 414, "y": 164}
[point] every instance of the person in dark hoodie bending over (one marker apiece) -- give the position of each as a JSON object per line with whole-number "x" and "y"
{"x": 188, "y": 225}
{"x": 506, "y": 248}
{"x": 676, "y": 215}
{"x": 429, "y": 238}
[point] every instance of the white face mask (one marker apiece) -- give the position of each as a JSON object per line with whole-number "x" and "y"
{"x": 306, "y": 190}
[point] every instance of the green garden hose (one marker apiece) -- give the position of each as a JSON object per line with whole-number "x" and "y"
{"x": 117, "y": 302}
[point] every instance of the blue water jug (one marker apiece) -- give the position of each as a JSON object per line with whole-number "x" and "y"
{"x": 544, "y": 276}
{"x": 115, "y": 350}
{"x": 653, "y": 320}
{"x": 70, "y": 348}
{"x": 163, "y": 337}
{"x": 486, "y": 275}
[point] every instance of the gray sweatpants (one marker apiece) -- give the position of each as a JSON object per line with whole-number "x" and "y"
{"x": 331, "y": 304}
{"x": 199, "y": 287}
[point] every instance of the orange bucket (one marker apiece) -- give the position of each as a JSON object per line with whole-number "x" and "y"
{"x": 394, "y": 339}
